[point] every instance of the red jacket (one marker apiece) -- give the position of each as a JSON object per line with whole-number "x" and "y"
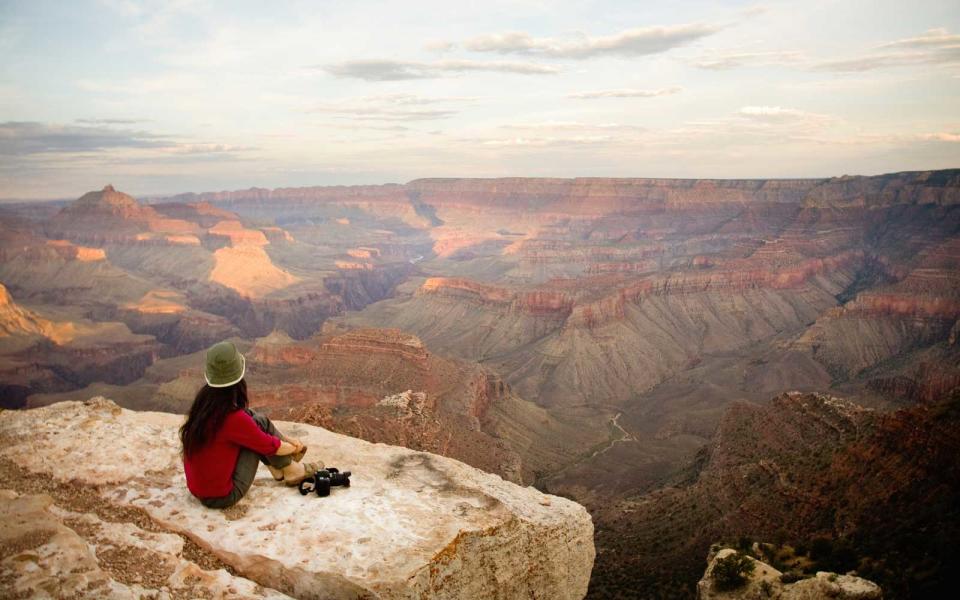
{"x": 209, "y": 470}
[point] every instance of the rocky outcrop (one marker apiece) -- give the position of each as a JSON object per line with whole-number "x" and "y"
{"x": 109, "y": 216}
{"x": 412, "y": 525}
{"x": 543, "y": 303}
{"x": 765, "y": 582}
{"x": 379, "y": 342}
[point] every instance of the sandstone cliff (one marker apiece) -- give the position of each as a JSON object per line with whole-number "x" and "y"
{"x": 120, "y": 524}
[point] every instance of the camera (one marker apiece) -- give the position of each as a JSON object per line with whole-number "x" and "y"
{"x": 321, "y": 481}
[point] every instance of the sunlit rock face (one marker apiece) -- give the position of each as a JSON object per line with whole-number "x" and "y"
{"x": 411, "y": 525}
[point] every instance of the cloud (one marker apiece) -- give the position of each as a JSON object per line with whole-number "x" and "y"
{"x": 572, "y": 126}
{"x": 778, "y": 118}
{"x": 544, "y": 142}
{"x": 23, "y": 139}
{"x": 440, "y": 46}
{"x": 777, "y": 114}
{"x": 632, "y": 42}
{"x": 413, "y": 99}
{"x": 626, "y": 93}
{"x": 397, "y": 70}
{"x": 752, "y": 125}
{"x": 110, "y": 121}
{"x": 755, "y": 10}
{"x": 932, "y": 38}
{"x": 558, "y": 134}
{"x": 356, "y": 126}
{"x": 719, "y": 60}
{"x": 27, "y": 137}
{"x": 942, "y": 136}
{"x": 392, "y": 107}
{"x": 936, "y": 46}
{"x": 207, "y": 149}
{"x": 374, "y": 113}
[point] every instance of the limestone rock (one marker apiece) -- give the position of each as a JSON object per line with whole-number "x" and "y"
{"x": 51, "y": 552}
{"x": 765, "y": 583}
{"x": 412, "y": 524}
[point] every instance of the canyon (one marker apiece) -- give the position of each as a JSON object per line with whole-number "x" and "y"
{"x": 692, "y": 360}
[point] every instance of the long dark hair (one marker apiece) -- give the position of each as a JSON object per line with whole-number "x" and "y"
{"x": 209, "y": 409}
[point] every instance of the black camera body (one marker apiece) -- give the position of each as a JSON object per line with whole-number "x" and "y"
{"x": 323, "y": 480}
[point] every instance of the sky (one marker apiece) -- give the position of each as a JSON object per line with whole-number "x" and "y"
{"x": 161, "y": 97}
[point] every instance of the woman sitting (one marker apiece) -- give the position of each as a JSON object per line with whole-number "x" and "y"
{"x": 224, "y": 441}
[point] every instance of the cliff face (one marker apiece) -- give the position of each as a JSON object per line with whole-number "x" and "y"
{"x": 15, "y": 322}
{"x": 806, "y": 466}
{"x": 38, "y": 353}
{"x": 411, "y": 525}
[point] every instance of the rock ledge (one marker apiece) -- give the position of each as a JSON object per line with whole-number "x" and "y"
{"x": 412, "y": 525}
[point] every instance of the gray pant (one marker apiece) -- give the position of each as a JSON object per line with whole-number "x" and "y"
{"x": 247, "y": 463}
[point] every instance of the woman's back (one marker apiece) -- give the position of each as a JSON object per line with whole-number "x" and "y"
{"x": 209, "y": 469}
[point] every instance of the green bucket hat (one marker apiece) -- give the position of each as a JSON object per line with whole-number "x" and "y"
{"x": 225, "y": 366}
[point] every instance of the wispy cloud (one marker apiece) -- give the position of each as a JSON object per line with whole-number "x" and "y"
{"x": 941, "y": 136}
{"x": 111, "y": 121}
{"x": 932, "y": 38}
{"x": 778, "y": 114}
{"x": 719, "y": 60}
{"x": 22, "y": 139}
{"x": 397, "y": 70}
{"x": 572, "y": 126}
{"x": 544, "y": 142}
{"x": 753, "y": 124}
{"x": 414, "y": 99}
{"x": 374, "y": 113}
{"x": 626, "y": 93}
{"x": 936, "y": 46}
{"x": 207, "y": 149}
{"x": 28, "y": 137}
{"x": 392, "y": 107}
{"x": 631, "y": 42}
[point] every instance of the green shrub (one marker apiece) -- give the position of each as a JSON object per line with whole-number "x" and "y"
{"x": 821, "y": 549}
{"x": 731, "y": 571}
